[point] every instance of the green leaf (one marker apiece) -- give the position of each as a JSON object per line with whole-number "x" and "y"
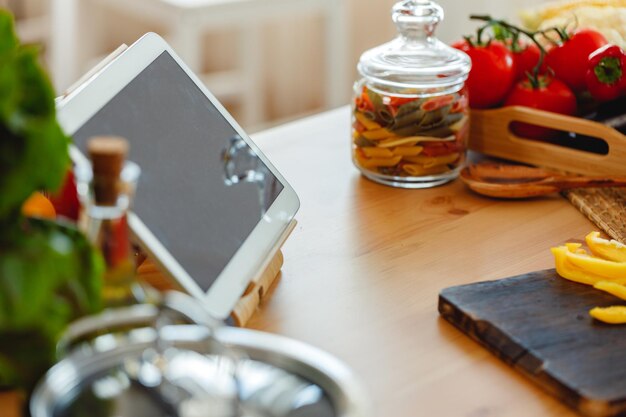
{"x": 9, "y": 88}
{"x": 8, "y": 40}
{"x": 36, "y": 93}
{"x": 48, "y": 278}
{"x": 34, "y": 153}
{"x": 49, "y": 273}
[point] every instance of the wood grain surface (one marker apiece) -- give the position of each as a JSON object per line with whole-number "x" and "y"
{"x": 364, "y": 267}
{"x": 539, "y": 324}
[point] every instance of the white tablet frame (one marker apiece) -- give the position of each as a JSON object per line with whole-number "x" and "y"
{"x": 74, "y": 110}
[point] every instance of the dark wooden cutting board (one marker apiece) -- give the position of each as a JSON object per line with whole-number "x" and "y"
{"x": 539, "y": 324}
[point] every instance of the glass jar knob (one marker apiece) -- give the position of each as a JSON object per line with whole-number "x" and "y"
{"x": 416, "y": 19}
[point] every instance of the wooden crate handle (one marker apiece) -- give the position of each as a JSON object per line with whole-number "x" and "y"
{"x": 490, "y": 134}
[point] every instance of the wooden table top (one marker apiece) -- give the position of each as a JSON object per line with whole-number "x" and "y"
{"x": 365, "y": 264}
{"x": 364, "y": 267}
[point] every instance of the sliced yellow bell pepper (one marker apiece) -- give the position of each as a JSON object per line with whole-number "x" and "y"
{"x": 612, "y": 271}
{"x": 606, "y": 271}
{"x": 575, "y": 248}
{"x": 569, "y": 271}
{"x": 611, "y": 315}
{"x": 611, "y": 250}
{"x": 613, "y": 288}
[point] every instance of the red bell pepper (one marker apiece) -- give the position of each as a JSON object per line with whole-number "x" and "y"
{"x": 65, "y": 201}
{"x": 606, "y": 73}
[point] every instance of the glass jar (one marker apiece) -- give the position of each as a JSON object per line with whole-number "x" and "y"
{"x": 410, "y": 109}
{"x": 106, "y": 226}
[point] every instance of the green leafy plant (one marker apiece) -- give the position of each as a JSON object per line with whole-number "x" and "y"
{"x": 49, "y": 273}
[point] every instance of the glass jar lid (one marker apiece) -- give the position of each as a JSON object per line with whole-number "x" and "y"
{"x": 415, "y": 59}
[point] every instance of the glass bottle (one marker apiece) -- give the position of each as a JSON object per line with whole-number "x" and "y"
{"x": 106, "y": 188}
{"x": 410, "y": 108}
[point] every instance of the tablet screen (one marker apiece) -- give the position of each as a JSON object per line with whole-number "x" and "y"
{"x": 202, "y": 189}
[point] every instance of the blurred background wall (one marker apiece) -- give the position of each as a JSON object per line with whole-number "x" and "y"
{"x": 292, "y": 73}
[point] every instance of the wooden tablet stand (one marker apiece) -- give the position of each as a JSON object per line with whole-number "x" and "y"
{"x": 255, "y": 293}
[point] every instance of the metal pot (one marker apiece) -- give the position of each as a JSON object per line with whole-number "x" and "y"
{"x": 144, "y": 361}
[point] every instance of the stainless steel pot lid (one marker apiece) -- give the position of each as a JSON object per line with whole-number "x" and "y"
{"x": 189, "y": 370}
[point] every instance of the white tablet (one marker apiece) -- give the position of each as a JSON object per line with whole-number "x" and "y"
{"x": 209, "y": 207}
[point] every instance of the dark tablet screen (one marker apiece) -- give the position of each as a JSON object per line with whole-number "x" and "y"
{"x": 202, "y": 189}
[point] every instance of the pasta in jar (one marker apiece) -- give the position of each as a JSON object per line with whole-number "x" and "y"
{"x": 410, "y": 108}
{"x": 409, "y": 136}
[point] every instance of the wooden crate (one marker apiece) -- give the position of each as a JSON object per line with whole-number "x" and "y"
{"x": 490, "y": 134}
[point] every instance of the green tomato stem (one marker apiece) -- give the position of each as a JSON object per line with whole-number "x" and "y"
{"x": 608, "y": 70}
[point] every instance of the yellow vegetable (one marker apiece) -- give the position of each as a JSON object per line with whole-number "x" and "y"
{"x": 606, "y": 273}
{"x": 612, "y": 271}
{"x": 575, "y": 248}
{"x": 611, "y": 250}
{"x": 569, "y": 271}
{"x": 611, "y": 315}
{"x": 613, "y": 288}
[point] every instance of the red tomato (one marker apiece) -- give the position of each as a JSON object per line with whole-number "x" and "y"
{"x": 525, "y": 60}
{"x": 552, "y": 95}
{"x": 491, "y": 75}
{"x": 569, "y": 59}
{"x": 606, "y": 73}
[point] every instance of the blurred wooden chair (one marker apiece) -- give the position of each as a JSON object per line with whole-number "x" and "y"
{"x": 186, "y": 21}
{"x": 32, "y": 22}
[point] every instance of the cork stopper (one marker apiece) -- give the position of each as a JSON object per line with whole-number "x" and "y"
{"x": 107, "y": 154}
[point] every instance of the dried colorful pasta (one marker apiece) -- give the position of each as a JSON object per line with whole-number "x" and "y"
{"x": 390, "y": 130}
